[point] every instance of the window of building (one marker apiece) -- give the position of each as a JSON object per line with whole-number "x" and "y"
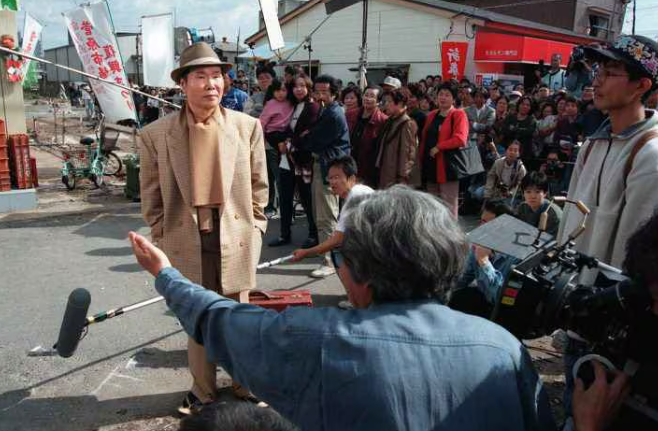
{"x": 599, "y": 26}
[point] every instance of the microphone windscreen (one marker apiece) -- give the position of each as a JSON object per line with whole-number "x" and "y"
{"x": 75, "y": 318}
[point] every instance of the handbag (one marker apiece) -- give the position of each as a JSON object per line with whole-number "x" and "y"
{"x": 462, "y": 162}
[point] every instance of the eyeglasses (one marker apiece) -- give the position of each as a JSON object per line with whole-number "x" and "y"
{"x": 337, "y": 258}
{"x": 602, "y": 75}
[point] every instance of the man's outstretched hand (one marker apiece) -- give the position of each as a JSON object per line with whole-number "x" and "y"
{"x": 148, "y": 256}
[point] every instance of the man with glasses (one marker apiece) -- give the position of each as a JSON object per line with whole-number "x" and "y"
{"x": 617, "y": 168}
{"x": 328, "y": 139}
{"x": 616, "y": 171}
{"x": 343, "y": 182}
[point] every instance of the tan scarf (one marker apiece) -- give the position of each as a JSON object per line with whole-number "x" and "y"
{"x": 205, "y": 167}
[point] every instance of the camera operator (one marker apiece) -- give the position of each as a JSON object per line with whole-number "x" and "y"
{"x": 616, "y": 170}
{"x": 399, "y": 361}
{"x": 578, "y": 74}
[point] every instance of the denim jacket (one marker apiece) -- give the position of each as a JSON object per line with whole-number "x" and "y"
{"x": 401, "y": 366}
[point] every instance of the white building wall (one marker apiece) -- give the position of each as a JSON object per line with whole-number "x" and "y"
{"x": 397, "y": 33}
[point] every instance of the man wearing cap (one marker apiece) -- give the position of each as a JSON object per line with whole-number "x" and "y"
{"x": 234, "y": 98}
{"x": 390, "y": 84}
{"x": 616, "y": 172}
{"x": 204, "y": 189}
{"x": 617, "y": 168}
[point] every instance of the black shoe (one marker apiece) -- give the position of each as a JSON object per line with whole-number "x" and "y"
{"x": 310, "y": 242}
{"x": 191, "y": 405}
{"x": 279, "y": 242}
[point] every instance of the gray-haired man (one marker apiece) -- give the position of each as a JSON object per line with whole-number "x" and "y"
{"x": 399, "y": 360}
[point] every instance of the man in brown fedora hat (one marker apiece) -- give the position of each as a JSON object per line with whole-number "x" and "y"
{"x": 204, "y": 189}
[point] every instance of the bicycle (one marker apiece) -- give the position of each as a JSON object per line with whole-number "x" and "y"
{"x": 93, "y": 163}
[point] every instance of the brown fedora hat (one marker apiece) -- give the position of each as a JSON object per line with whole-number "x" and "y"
{"x": 197, "y": 55}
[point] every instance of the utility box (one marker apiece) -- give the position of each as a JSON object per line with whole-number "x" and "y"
{"x": 131, "y": 191}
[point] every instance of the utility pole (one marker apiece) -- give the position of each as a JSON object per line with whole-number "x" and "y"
{"x": 634, "y": 14}
{"x": 363, "y": 60}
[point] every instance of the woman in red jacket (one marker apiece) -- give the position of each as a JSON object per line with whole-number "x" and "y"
{"x": 445, "y": 155}
{"x": 365, "y": 126}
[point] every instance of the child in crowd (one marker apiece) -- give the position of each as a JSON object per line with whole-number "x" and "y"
{"x": 277, "y": 114}
{"x": 535, "y": 190}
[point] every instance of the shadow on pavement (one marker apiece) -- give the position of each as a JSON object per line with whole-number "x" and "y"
{"x": 111, "y": 251}
{"x": 21, "y": 221}
{"x": 126, "y": 267}
{"x": 84, "y": 413}
{"x": 9, "y": 400}
{"x": 153, "y": 357}
{"x": 112, "y": 226}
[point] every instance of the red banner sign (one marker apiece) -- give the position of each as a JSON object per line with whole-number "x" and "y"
{"x": 511, "y": 48}
{"x": 453, "y": 59}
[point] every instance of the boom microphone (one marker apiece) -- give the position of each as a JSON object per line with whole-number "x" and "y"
{"x": 74, "y": 322}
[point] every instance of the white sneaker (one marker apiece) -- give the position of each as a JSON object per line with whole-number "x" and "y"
{"x": 323, "y": 271}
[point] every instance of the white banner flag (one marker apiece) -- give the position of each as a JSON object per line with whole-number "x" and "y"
{"x": 97, "y": 47}
{"x": 158, "y": 49}
{"x": 31, "y": 33}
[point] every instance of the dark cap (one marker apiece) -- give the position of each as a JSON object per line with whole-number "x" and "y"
{"x": 638, "y": 52}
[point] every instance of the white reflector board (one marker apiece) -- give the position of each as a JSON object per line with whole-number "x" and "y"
{"x": 158, "y": 49}
{"x": 271, "y": 17}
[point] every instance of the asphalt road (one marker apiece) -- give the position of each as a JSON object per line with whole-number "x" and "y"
{"x": 129, "y": 373}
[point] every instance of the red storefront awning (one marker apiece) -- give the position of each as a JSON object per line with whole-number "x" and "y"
{"x": 509, "y": 48}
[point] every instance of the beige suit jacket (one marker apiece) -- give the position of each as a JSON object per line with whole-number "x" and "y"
{"x": 166, "y": 196}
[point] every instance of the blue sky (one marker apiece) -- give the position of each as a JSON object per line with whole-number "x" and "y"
{"x": 224, "y": 16}
{"x": 647, "y": 18}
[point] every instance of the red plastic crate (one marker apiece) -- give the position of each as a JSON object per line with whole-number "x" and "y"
{"x": 19, "y": 160}
{"x": 5, "y": 185}
{"x": 4, "y": 165}
{"x": 34, "y": 173}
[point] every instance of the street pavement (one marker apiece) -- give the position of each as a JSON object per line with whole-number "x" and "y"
{"x": 128, "y": 373}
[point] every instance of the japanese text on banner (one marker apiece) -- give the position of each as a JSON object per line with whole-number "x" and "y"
{"x": 31, "y": 33}
{"x": 453, "y": 59}
{"x": 98, "y": 50}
